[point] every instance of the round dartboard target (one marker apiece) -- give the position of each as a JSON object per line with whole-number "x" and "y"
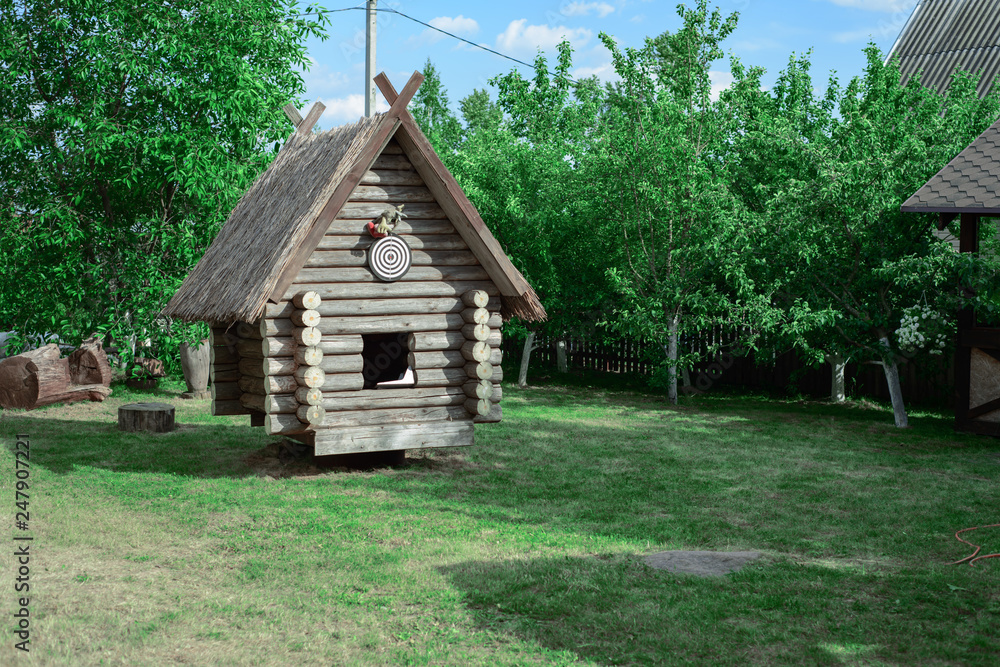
{"x": 389, "y": 258}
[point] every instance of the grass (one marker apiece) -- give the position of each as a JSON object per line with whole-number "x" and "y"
{"x": 213, "y": 546}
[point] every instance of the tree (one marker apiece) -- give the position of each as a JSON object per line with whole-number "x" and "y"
{"x": 430, "y": 109}
{"x": 825, "y": 178}
{"x": 129, "y": 133}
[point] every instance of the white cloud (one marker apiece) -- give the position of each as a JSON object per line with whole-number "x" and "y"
{"x": 521, "y": 37}
{"x": 602, "y": 9}
{"x": 604, "y": 72}
{"x": 854, "y": 35}
{"x": 638, "y": 18}
{"x": 340, "y": 110}
{"x": 321, "y": 80}
{"x": 458, "y": 25}
{"x": 878, "y": 5}
{"x": 720, "y": 81}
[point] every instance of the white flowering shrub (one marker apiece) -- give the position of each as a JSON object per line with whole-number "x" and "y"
{"x": 922, "y": 328}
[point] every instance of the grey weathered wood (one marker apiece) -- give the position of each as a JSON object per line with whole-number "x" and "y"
{"x": 306, "y": 126}
{"x": 497, "y": 394}
{"x": 310, "y": 376}
{"x": 293, "y": 114}
{"x": 226, "y": 391}
{"x": 394, "y": 177}
{"x": 476, "y": 298}
{"x": 223, "y": 373}
{"x": 495, "y": 415}
{"x": 370, "y": 211}
{"x": 284, "y": 424}
{"x": 358, "y": 226}
{"x": 311, "y": 414}
{"x": 343, "y": 382}
{"x": 310, "y": 395}
{"x": 495, "y": 321}
{"x": 252, "y": 368}
{"x": 478, "y": 389}
{"x": 416, "y": 242}
{"x": 399, "y": 289}
{"x": 342, "y": 363}
{"x": 307, "y": 336}
{"x": 441, "y": 396}
{"x": 354, "y": 258}
{"x": 400, "y": 306}
{"x": 416, "y": 273}
{"x": 479, "y": 370}
{"x": 478, "y": 407}
{"x": 392, "y": 147}
{"x": 279, "y": 365}
{"x": 340, "y": 418}
{"x": 394, "y": 194}
{"x": 476, "y": 315}
{"x": 248, "y": 331}
{"x": 154, "y": 417}
{"x": 476, "y": 331}
{"x": 337, "y": 326}
{"x": 272, "y": 384}
{"x": 476, "y": 350}
{"x": 349, "y": 344}
{"x": 305, "y": 318}
{"x": 228, "y": 408}
{"x": 306, "y": 300}
{"x": 278, "y": 346}
{"x": 276, "y": 327}
{"x": 441, "y": 377}
{"x": 309, "y": 356}
{"x": 391, "y": 163}
{"x": 250, "y": 349}
{"x": 222, "y": 354}
{"x": 393, "y": 437}
{"x": 253, "y": 401}
{"x": 437, "y": 359}
{"x": 446, "y": 340}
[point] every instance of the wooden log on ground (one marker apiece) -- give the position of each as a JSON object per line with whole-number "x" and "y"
{"x": 342, "y": 363}
{"x": 88, "y": 364}
{"x": 419, "y": 398}
{"x": 476, "y": 315}
{"x": 226, "y": 391}
{"x": 476, "y": 331}
{"x": 310, "y": 395}
{"x": 439, "y": 359}
{"x": 250, "y": 349}
{"x": 495, "y": 415}
{"x": 399, "y": 289}
{"x": 305, "y": 318}
{"x": 228, "y": 408}
{"x": 479, "y": 370}
{"x": 28, "y": 379}
{"x": 478, "y": 389}
{"x": 309, "y": 356}
{"x": 351, "y": 344}
{"x": 153, "y": 417}
{"x": 310, "y": 376}
{"x": 248, "y": 331}
{"x": 478, "y": 350}
{"x": 273, "y": 384}
{"x": 478, "y": 406}
{"x": 416, "y": 273}
{"x": 306, "y": 300}
{"x": 279, "y": 346}
{"x": 311, "y": 414}
{"x": 308, "y": 336}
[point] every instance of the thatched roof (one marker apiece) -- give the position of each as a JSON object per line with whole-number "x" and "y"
{"x": 282, "y": 218}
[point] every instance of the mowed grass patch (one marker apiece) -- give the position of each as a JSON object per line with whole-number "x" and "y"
{"x": 204, "y": 546}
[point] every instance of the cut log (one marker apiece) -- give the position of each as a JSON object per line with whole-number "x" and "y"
{"x": 155, "y": 417}
{"x": 305, "y": 318}
{"x": 441, "y": 377}
{"x": 283, "y": 424}
{"x": 342, "y": 363}
{"x": 273, "y": 384}
{"x": 228, "y": 408}
{"x": 399, "y": 289}
{"x": 224, "y": 355}
{"x": 442, "y": 396}
{"x": 416, "y": 273}
{"x": 33, "y": 376}
{"x": 308, "y": 336}
{"x": 439, "y": 359}
{"x": 479, "y": 370}
{"x": 393, "y": 306}
{"x": 309, "y": 356}
{"x": 476, "y": 298}
{"x": 88, "y": 364}
{"x": 497, "y": 392}
{"x": 310, "y": 376}
{"x": 495, "y": 415}
{"x": 279, "y": 365}
{"x": 416, "y": 242}
{"x": 227, "y": 391}
{"x": 341, "y": 344}
{"x": 310, "y": 395}
{"x": 252, "y": 368}
{"x": 277, "y": 327}
{"x": 343, "y": 382}
{"x": 331, "y": 326}
{"x": 390, "y": 437}
{"x": 335, "y": 259}
{"x": 307, "y": 300}
{"x": 445, "y": 340}
{"x": 424, "y": 226}
{"x": 250, "y": 349}
{"x": 476, "y": 315}
{"x": 224, "y": 373}
{"x": 478, "y": 407}
{"x": 495, "y": 322}
{"x": 281, "y": 346}
{"x": 393, "y": 416}
{"x": 476, "y": 331}
{"x": 478, "y": 389}
{"x": 311, "y": 414}
{"x": 253, "y": 401}
{"x": 248, "y": 331}
{"x": 478, "y": 350}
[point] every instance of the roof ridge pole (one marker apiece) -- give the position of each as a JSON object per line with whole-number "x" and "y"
{"x": 370, "y": 59}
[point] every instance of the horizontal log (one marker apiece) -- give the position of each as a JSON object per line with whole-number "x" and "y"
{"x": 392, "y": 163}
{"x": 250, "y": 349}
{"x": 223, "y": 355}
{"x": 342, "y": 363}
{"x": 478, "y": 389}
{"x": 361, "y": 274}
{"x": 272, "y": 384}
{"x": 399, "y": 289}
{"x": 225, "y": 376}
{"x": 279, "y": 346}
{"x": 446, "y": 340}
{"x": 273, "y": 404}
{"x": 336, "y": 326}
{"x": 279, "y": 365}
{"x": 392, "y": 147}
{"x": 254, "y": 368}
{"x": 497, "y": 392}
{"x": 476, "y": 315}
{"x": 305, "y": 318}
{"x": 495, "y": 415}
{"x": 441, "y": 377}
{"x": 393, "y": 194}
{"x": 306, "y": 300}
{"x": 349, "y": 344}
{"x": 436, "y": 359}
{"x": 346, "y": 401}
{"x": 360, "y": 211}
{"x": 398, "y": 306}
{"x": 415, "y": 241}
{"x": 228, "y": 407}
{"x": 253, "y": 401}
{"x": 284, "y": 424}
{"x": 354, "y": 258}
{"x": 311, "y": 414}
{"x": 308, "y": 356}
{"x": 337, "y": 382}
{"x": 247, "y": 331}
{"x": 393, "y": 177}
{"x": 310, "y": 395}
{"x": 478, "y": 407}
{"x": 476, "y": 298}
{"x": 358, "y": 227}
{"x": 310, "y": 376}
{"x": 366, "y": 396}
{"x": 481, "y": 370}
{"x": 386, "y": 437}
{"x": 495, "y": 321}
{"x": 226, "y": 391}
{"x": 341, "y": 418}
{"x": 272, "y": 327}
{"x": 223, "y": 338}
{"x": 476, "y": 331}
{"x": 476, "y": 350}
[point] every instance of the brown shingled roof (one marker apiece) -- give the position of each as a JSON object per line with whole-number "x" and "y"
{"x": 970, "y": 183}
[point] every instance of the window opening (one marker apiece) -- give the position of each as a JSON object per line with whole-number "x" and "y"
{"x": 385, "y": 361}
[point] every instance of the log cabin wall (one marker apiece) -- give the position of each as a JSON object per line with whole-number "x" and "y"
{"x": 455, "y": 384}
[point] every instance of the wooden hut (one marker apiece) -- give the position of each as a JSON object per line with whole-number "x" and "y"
{"x": 326, "y": 331}
{"x": 968, "y": 188}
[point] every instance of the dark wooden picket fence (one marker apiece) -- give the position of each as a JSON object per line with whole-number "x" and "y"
{"x": 926, "y": 382}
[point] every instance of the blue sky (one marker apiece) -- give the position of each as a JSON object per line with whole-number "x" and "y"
{"x": 769, "y": 32}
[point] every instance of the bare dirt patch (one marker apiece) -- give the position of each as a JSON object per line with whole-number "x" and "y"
{"x": 701, "y": 563}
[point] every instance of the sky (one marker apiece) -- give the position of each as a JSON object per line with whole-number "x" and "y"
{"x": 768, "y": 33}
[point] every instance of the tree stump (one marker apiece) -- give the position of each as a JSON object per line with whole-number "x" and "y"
{"x": 155, "y": 417}
{"x": 88, "y": 364}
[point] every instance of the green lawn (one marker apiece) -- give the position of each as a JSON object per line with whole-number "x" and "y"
{"x": 205, "y": 547}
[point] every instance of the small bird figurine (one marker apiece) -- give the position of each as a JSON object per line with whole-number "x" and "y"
{"x": 386, "y": 221}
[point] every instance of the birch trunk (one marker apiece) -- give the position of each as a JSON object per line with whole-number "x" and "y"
{"x": 561, "y": 356}
{"x": 837, "y": 366}
{"x": 529, "y": 345}
{"x": 672, "y": 359}
{"x": 892, "y": 379}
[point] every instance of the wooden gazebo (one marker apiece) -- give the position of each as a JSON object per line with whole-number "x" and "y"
{"x": 968, "y": 189}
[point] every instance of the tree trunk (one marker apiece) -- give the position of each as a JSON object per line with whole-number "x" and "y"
{"x": 892, "y": 379}
{"x": 529, "y": 345}
{"x": 561, "y": 356}
{"x": 672, "y": 359}
{"x": 837, "y": 366}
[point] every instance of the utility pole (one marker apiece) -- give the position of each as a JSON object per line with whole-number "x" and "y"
{"x": 370, "y": 60}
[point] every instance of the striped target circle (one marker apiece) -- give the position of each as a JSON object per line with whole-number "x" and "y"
{"x": 389, "y": 258}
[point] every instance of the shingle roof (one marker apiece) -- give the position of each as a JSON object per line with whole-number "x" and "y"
{"x": 944, "y": 34}
{"x": 970, "y": 183}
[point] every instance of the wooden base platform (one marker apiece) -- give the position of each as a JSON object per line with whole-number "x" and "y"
{"x": 388, "y": 437}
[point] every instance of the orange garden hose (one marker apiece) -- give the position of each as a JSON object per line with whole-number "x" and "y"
{"x": 973, "y": 558}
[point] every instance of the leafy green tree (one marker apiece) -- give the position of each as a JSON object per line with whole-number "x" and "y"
{"x": 129, "y": 132}
{"x": 824, "y": 178}
{"x": 431, "y": 111}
